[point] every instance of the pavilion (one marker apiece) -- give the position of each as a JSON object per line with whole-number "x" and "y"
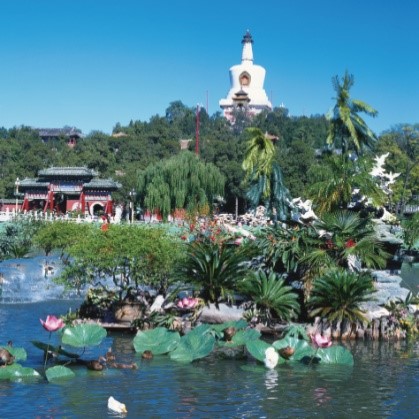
{"x": 64, "y": 189}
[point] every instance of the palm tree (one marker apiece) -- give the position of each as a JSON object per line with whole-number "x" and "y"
{"x": 336, "y": 180}
{"x": 346, "y": 126}
{"x": 257, "y": 163}
{"x": 264, "y": 174}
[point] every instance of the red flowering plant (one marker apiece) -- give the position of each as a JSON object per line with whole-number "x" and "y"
{"x": 345, "y": 237}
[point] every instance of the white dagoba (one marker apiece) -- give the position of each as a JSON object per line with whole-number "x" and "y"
{"x": 246, "y": 80}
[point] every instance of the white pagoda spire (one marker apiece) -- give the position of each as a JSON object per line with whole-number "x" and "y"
{"x": 247, "y": 54}
{"x": 246, "y": 85}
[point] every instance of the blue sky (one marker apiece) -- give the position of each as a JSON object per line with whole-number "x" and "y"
{"x": 93, "y": 63}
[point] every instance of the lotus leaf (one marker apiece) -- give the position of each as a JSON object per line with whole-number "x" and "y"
{"x": 83, "y": 335}
{"x": 58, "y": 372}
{"x": 335, "y": 355}
{"x": 56, "y": 349}
{"x": 257, "y": 349}
{"x": 297, "y": 331}
{"x": 193, "y": 346}
{"x": 201, "y": 330}
{"x": 237, "y": 324}
{"x": 16, "y": 371}
{"x": 158, "y": 340}
{"x": 241, "y": 338}
{"x": 301, "y": 347}
{"x": 19, "y": 353}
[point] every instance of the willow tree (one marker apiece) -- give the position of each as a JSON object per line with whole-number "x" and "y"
{"x": 181, "y": 182}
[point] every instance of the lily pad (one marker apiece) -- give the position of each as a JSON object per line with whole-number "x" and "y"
{"x": 335, "y": 355}
{"x": 301, "y": 347}
{"x": 56, "y": 349}
{"x": 257, "y": 349}
{"x": 19, "y": 353}
{"x": 83, "y": 335}
{"x": 16, "y": 371}
{"x": 241, "y": 338}
{"x": 59, "y": 372}
{"x": 158, "y": 340}
{"x": 237, "y": 324}
{"x": 193, "y": 346}
{"x": 201, "y": 330}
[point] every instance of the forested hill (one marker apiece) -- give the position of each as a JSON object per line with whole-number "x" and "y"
{"x": 132, "y": 148}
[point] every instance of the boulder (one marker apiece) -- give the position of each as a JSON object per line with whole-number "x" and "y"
{"x": 222, "y": 314}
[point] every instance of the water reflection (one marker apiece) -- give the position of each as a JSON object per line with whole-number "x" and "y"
{"x": 271, "y": 379}
{"x": 382, "y": 383}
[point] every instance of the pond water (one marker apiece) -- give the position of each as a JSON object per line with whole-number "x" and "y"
{"x": 383, "y": 383}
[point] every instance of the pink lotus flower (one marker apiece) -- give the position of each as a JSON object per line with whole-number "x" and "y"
{"x": 187, "y": 302}
{"x": 52, "y": 324}
{"x": 320, "y": 341}
{"x": 238, "y": 241}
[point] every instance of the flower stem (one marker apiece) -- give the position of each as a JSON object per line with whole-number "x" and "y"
{"x": 46, "y": 352}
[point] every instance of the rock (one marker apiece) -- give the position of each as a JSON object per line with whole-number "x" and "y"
{"x": 223, "y": 314}
{"x": 157, "y": 304}
{"x": 346, "y": 329}
{"x": 376, "y": 312}
{"x": 336, "y": 332}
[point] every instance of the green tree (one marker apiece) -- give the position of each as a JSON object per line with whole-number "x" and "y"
{"x": 334, "y": 182}
{"x": 183, "y": 181}
{"x": 59, "y": 235}
{"x": 264, "y": 174}
{"x": 346, "y": 237}
{"x": 347, "y": 128}
{"x": 131, "y": 256}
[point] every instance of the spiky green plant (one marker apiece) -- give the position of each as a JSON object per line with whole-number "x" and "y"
{"x": 271, "y": 295}
{"x": 338, "y": 294}
{"x": 215, "y": 265}
{"x": 347, "y": 235}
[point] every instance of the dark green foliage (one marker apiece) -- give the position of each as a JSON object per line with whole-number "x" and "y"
{"x": 346, "y": 236}
{"x": 338, "y": 294}
{"x": 411, "y": 232}
{"x": 215, "y": 265}
{"x": 270, "y": 295}
{"x": 335, "y": 179}
{"x": 402, "y": 144}
{"x": 16, "y": 239}
{"x": 264, "y": 176}
{"x": 283, "y": 247}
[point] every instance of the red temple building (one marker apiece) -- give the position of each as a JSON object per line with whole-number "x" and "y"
{"x": 64, "y": 189}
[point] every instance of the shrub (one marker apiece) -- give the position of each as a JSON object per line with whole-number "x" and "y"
{"x": 338, "y": 294}
{"x": 271, "y": 296}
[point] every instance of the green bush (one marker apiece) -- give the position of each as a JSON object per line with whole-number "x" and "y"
{"x": 271, "y": 296}
{"x": 338, "y": 294}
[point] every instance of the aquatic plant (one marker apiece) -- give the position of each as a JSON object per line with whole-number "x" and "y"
{"x": 52, "y": 323}
{"x": 159, "y": 341}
